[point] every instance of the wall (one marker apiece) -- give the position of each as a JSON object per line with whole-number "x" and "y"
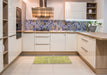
{"x": 23, "y": 14}
{"x": 58, "y": 6}
{"x": 19, "y": 3}
{"x": 81, "y": 0}
{"x": 29, "y": 5}
{"x": 100, "y": 9}
{"x": 100, "y": 13}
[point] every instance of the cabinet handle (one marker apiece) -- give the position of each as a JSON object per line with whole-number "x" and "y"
{"x": 84, "y": 49}
{"x": 84, "y": 40}
{"x": 12, "y": 35}
{"x": 42, "y": 44}
{"x": 42, "y": 36}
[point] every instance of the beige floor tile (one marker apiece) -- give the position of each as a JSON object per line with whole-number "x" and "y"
{"x": 10, "y": 70}
{"x": 20, "y": 74}
{"x": 41, "y": 68}
{"x": 24, "y": 66}
{"x": 41, "y": 73}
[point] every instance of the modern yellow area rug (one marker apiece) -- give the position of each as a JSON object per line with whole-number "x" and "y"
{"x": 52, "y": 60}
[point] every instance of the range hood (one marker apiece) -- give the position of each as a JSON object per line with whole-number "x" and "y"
{"x": 42, "y": 12}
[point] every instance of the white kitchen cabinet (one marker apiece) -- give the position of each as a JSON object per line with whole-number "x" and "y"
{"x": 92, "y": 52}
{"x": 1, "y": 29}
{"x": 79, "y": 43}
{"x": 87, "y": 49}
{"x": 1, "y": 61}
{"x": 12, "y": 17}
{"x": 42, "y": 47}
{"x": 19, "y": 45}
{"x": 1, "y": 6}
{"x": 71, "y": 42}
{"x": 12, "y": 48}
{"x": 1, "y": 56}
{"x": 75, "y": 10}
{"x": 42, "y": 42}
{"x": 28, "y": 42}
{"x": 58, "y": 42}
{"x": 42, "y": 34}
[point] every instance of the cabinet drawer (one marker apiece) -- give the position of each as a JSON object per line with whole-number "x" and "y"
{"x": 42, "y": 40}
{"x": 85, "y": 42}
{"x": 42, "y": 34}
{"x": 84, "y": 51}
{"x": 84, "y": 39}
{"x": 42, "y": 47}
{"x": 87, "y": 48}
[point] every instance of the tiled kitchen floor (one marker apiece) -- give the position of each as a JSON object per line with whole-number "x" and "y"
{"x": 24, "y": 66}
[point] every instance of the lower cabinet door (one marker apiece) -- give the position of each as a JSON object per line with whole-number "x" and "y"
{"x": 19, "y": 45}
{"x": 42, "y": 47}
{"x": 79, "y": 44}
{"x": 12, "y": 48}
{"x": 28, "y": 42}
{"x": 1, "y": 61}
{"x": 71, "y": 42}
{"x": 87, "y": 49}
{"x": 58, "y": 42}
{"x": 1, "y": 56}
{"x": 92, "y": 52}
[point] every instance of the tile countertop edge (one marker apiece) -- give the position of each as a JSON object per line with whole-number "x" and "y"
{"x": 96, "y": 35}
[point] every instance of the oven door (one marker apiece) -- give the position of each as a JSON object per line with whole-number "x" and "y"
{"x": 18, "y": 35}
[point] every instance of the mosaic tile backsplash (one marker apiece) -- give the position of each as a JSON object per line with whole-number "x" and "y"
{"x": 48, "y": 25}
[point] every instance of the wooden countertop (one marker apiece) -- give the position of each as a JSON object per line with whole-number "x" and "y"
{"x": 49, "y": 32}
{"x": 96, "y": 35}
{"x": 18, "y": 31}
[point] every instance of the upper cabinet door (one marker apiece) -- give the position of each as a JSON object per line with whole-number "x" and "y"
{"x": 1, "y": 18}
{"x": 58, "y": 6}
{"x": 57, "y": 42}
{"x": 12, "y": 17}
{"x": 75, "y": 10}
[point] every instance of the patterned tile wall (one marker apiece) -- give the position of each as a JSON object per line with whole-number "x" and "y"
{"x": 48, "y": 25}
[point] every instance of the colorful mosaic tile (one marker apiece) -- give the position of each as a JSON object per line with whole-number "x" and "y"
{"x": 48, "y": 25}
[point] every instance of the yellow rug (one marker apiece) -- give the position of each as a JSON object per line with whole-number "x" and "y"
{"x": 52, "y": 60}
